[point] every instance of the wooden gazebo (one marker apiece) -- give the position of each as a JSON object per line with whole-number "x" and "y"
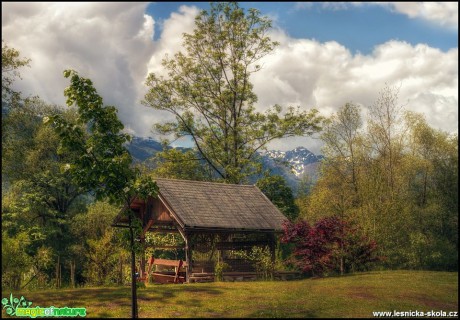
{"x": 214, "y": 219}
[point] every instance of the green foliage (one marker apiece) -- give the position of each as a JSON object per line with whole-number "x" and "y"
{"x": 28, "y": 147}
{"x": 397, "y": 179}
{"x": 177, "y": 164}
{"x": 153, "y": 240}
{"x": 11, "y": 62}
{"x": 261, "y": 258}
{"x": 104, "y": 163}
{"x": 15, "y": 259}
{"x": 209, "y": 93}
{"x": 103, "y": 257}
{"x": 39, "y": 199}
{"x": 219, "y": 270}
{"x": 280, "y": 194}
{"x": 98, "y": 248}
{"x": 96, "y": 221}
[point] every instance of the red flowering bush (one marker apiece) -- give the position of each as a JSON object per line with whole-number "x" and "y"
{"x": 332, "y": 245}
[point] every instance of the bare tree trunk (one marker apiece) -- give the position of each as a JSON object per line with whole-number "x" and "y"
{"x": 72, "y": 273}
{"x": 57, "y": 272}
{"x": 16, "y": 281}
{"x": 341, "y": 260}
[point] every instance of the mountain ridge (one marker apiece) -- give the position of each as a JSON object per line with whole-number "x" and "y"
{"x": 293, "y": 164}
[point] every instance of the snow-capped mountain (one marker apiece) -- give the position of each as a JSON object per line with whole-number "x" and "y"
{"x": 298, "y": 159}
{"x": 292, "y": 164}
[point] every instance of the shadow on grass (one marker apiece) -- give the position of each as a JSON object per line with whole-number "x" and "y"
{"x": 104, "y": 315}
{"x": 113, "y": 301}
{"x": 167, "y": 293}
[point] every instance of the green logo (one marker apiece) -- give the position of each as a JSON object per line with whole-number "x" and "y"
{"x": 22, "y": 308}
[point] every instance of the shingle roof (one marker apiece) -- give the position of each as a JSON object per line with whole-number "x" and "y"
{"x": 212, "y": 205}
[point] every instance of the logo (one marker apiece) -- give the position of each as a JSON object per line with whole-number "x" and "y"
{"x": 22, "y": 308}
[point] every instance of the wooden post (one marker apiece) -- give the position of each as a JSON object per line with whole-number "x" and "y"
{"x": 188, "y": 253}
{"x": 188, "y": 257}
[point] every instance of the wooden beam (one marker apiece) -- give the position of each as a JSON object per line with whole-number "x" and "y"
{"x": 160, "y": 230}
{"x": 188, "y": 258}
{"x": 229, "y": 245}
{"x": 164, "y": 247}
{"x": 147, "y": 227}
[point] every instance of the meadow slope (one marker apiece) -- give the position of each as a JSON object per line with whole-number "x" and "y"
{"x": 356, "y": 295}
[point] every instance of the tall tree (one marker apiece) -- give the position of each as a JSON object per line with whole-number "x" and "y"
{"x": 341, "y": 136}
{"x": 104, "y": 165}
{"x": 431, "y": 165}
{"x": 209, "y": 92}
{"x": 41, "y": 198}
{"x": 385, "y": 133}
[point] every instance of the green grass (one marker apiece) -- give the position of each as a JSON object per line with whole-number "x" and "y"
{"x": 336, "y": 297}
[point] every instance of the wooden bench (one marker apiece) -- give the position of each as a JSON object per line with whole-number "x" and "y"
{"x": 175, "y": 274}
{"x": 145, "y": 276}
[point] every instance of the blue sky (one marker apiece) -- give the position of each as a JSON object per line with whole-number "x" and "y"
{"x": 329, "y": 54}
{"x": 359, "y": 28}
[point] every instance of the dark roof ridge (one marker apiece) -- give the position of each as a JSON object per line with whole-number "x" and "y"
{"x": 207, "y": 182}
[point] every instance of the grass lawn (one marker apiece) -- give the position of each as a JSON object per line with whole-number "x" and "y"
{"x": 337, "y": 297}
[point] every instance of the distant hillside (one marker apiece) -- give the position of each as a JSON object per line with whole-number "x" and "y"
{"x": 292, "y": 164}
{"x": 143, "y": 148}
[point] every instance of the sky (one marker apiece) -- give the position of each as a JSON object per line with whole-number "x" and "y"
{"x": 329, "y": 54}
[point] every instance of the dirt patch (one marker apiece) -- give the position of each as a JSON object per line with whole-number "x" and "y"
{"x": 363, "y": 295}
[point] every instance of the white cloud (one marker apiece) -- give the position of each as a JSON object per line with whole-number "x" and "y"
{"x": 170, "y": 41}
{"x": 307, "y": 73}
{"x": 326, "y": 76}
{"x": 112, "y": 44}
{"x": 442, "y": 13}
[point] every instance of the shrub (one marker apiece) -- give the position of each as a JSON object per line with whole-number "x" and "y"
{"x": 331, "y": 245}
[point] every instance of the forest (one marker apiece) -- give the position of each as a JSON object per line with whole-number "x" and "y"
{"x": 386, "y": 197}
